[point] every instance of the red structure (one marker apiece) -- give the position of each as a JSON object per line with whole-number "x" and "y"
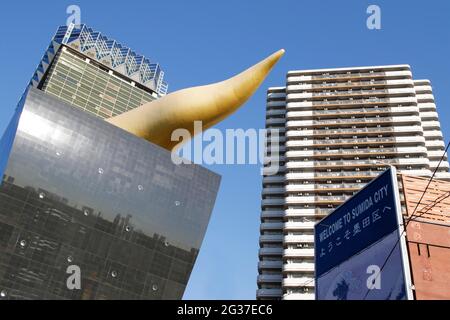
{"x": 428, "y": 236}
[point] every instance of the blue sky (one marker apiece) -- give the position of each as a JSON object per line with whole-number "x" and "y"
{"x": 198, "y": 42}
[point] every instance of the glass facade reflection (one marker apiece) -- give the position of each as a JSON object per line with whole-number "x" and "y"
{"x": 79, "y": 191}
{"x": 90, "y": 88}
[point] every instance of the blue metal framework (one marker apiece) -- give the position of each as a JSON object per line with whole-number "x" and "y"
{"x": 106, "y": 51}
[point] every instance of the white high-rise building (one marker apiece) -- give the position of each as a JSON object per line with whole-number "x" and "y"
{"x": 339, "y": 128}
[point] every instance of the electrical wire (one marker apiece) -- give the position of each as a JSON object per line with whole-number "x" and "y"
{"x": 412, "y": 215}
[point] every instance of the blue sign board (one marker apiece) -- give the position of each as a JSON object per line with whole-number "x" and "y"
{"x": 363, "y": 219}
{"x": 361, "y": 277}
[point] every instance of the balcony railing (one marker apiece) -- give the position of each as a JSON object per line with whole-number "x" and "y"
{"x": 350, "y": 101}
{"x": 355, "y": 120}
{"x": 360, "y": 110}
{"x": 322, "y": 187}
{"x": 368, "y": 173}
{"x": 361, "y": 162}
{"x": 347, "y": 75}
{"x": 351, "y": 110}
{"x": 348, "y": 84}
{"x": 346, "y": 130}
{"x": 355, "y": 151}
{"x": 331, "y": 198}
{"x": 311, "y": 212}
{"x": 329, "y": 186}
{"x": 352, "y": 141}
{"x": 357, "y": 131}
{"x": 347, "y": 92}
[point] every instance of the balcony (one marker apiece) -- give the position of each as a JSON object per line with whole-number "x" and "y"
{"x": 443, "y": 165}
{"x": 274, "y": 226}
{"x": 307, "y": 212}
{"x": 275, "y": 112}
{"x": 429, "y": 115}
{"x": 299, "y": 282}
{"x": 426, "y": 106}
{"x": 269, "y": 293}
{"x": 328, "y": 175}
{"x": 273, "y": 179}
{"x": 435, "y": 144}
{"x": 357, "y": 152}
{"x": 336, "y": 200}
{"x": 348, "y": 131}
{"x": 352, "y": 163}
{"x": 433, "y": 133}
{"x": 349, "y": 102}
{"x": 277, "y": 103}
{"x": 293, "y": 253}
{"x": 299, "y": 267}
{"x": 272, "y": 202}
{"x": 269, "y": 190}
{"x": 272, "y": 214}
{"x": 270, "y": 278}
{"x": 358, "y": 141}
{"x": 270, "y": 265}
{"x": 270, "y": 251}
{"x": 425, "y": 97}
{"x": 350, "y": 111}
{"x": 348, "y": 174}
{"x": 293, "y": 124}
{"x": 271, "y": 238}
{"x": 293, "y": 226}
{"x": 276, "y": 95}
{"x": 435, "y": 154}
{"x": 424, "y": 173}
{"x": 322, "y": 187}
{"x": 299, "y": 296}
{"x": 274, "y": 121}
{"x": 431, "y": 125}
{"x": 442, "y": 176}
{"x": 294, "y": 76}
{"x": 270, "y": 170}
{"x": 351, "y": 75}
{"x": 349, "y": 93}
{"x": 420, "y": 89}
{"x": 346, "y": 84}
{"x": 304, "y": 238}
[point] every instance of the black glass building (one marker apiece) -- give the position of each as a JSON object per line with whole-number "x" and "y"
{"x": 77, "y": 191}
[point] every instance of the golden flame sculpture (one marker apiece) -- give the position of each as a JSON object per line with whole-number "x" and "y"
{"x": 155, "y": 121}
